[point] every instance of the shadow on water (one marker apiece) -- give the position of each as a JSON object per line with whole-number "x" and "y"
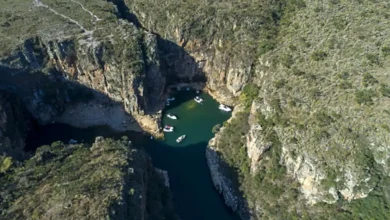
{"x": 193, "y": 192}
{"x": 194, "y": 195}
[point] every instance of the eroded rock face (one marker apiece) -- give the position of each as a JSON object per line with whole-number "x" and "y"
{"x": 127, "y": 71}
{"x": 222, "y": 183}
{"x": 14, "y": 125}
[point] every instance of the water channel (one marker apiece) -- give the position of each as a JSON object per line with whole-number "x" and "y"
{"x": 195, "y": 197}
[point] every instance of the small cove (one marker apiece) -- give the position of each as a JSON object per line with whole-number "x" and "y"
{"x": 195, "y": 197}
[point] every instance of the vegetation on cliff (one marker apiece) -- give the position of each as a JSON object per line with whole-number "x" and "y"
{"x": 319, "y": 97}
{"x": 109, "y": 180}
{"x": 316, "y": 107}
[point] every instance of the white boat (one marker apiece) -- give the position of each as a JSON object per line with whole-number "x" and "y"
{"x": 72, "y": 141}
{"x": 198, "y": 99}
{"x": 170, "y": 99}
{"x": 171, "y": 116}
{"x": 197, "y": 91}
{"x": 168, "y": 128}
{"x": 224, "y": 108}
{"x": 180, "y": 139}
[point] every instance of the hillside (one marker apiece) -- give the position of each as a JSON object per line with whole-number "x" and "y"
{"x": 108, "y": 180}
{"x": 310, "y": 135}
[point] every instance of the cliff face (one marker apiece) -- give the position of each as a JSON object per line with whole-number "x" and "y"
{"x": 14, "y": 125}
{"x": 212, "y": 43}
{"x": 314, "y": 125}
{"x": 110, "y": 179}
{"x": 109, "y": 56}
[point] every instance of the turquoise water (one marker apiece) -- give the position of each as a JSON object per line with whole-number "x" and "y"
{"x": 195, "y": 197}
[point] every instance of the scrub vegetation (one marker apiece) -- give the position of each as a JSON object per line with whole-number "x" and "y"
{"x": 322, "y": 97}
{"x": 106, "y": 180}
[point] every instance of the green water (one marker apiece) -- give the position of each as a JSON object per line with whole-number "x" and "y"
{"x": 195, "y": 197}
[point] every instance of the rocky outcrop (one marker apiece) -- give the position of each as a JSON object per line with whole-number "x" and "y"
{"x": 202, "y": 45}
{"x": 223, "y": 184}
{"x": 223, "y": 179}
{"x": 116, "y": 60}
{"x": 110, "y": 179}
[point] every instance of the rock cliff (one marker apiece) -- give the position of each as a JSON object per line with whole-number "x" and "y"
{"x": 14, "y": 125}
{"x": 97, "y": 54}
{"x": 315, "y": 90}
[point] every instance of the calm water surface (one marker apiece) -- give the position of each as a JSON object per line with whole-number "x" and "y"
{"x": 194, "y": 195}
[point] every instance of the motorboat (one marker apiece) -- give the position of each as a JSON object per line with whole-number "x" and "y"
{"x": 72, "y": 141}
{"x": 180, "y": 139}
{"x": 198, "y": 99}
{"x": 197, "y": 91}
{"x": 170, "y": 99}
{"x": 224, "y": 108}
{"x": 171, "y": 116}
{"x": 168, "y": 128}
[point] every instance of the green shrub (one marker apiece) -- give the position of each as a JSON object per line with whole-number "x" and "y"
{"x": 297, "y": 72}
{"x": 369, "y": 80}
{"x": 386, "y": 51}
{"x": 249, "y": 93}
{"x": 287, "y": 60}
{"x": 345, "y": 84}
{"x": 364, "y": 96}
{"x": 280, "y": 83}
{"x": 385, "y": 90}
{"x": 372, "y": 59}
{"x": 266, "y": 46}
{"x": 318, "y": 55}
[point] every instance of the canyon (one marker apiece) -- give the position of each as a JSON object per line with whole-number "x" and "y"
{"x": 309, "y": 131}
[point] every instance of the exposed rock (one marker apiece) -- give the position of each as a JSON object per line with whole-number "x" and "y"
{"x": 14, "y": 125}
{"x": 220, "y": 181}
{"x": 164, "y": 175}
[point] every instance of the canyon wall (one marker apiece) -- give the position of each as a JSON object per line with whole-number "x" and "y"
{"x": 309, "y": 79}
{"x": 314, "y": 89}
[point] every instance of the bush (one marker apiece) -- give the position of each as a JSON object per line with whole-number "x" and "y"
{"x": 372, "y": 59}
{"x": 249, "y": 93}
{"x": 287, "y": 60}
{"x": 280, "y": 83}
{"x": 385, "y": 90}
{"x": 364, "y": 96}
{"x": 386, "y": 51}
{"x": 368, "y": 80}
{"x": 266, "y": 46}
{"x": 318, "y": 55}
{"x": 345, "y": 84}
